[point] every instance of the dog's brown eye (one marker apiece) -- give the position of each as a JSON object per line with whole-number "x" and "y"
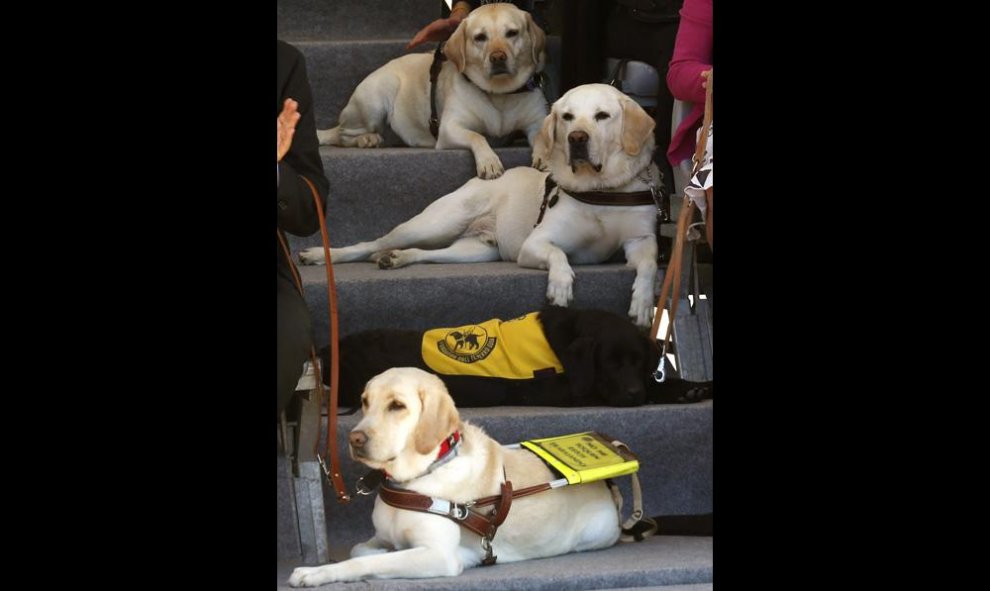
{"x": 364, "y": 402}
{"x": 511, "y": 33}
{"x": 601, "y": 115}
{"x": 481, "y": 37}
{"x": 567, "y": 117}
{"x": 396, "y": 405}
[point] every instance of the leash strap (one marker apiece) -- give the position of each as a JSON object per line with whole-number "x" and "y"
{"x": 673, "y": 273}
{"x": 333, "y": 470}
{"x": 637, "y": 528}
{"x": 330, "y": 450}
{"x": 463, "y": 514}
{"x": 438, "y": 59}
{"x": 548, "y": 186}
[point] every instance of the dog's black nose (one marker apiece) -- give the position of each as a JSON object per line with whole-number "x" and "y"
{"x": 497, "y": 56}
{"x": 358, "y": 438}
{"x": 577, "y": 137}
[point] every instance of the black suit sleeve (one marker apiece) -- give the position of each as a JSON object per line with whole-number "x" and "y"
{"x": 295, "y": 207}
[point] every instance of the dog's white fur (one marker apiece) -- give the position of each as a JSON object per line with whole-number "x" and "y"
{"x": 399, "y": 91}
{"x": 407, "y": 414}
{"x": 493, "y": 220}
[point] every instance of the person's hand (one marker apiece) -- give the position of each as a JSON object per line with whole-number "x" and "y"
{"x": 705, "y": 75}
{"x": 439, "y": 30}
{"x": 286, "y": 128}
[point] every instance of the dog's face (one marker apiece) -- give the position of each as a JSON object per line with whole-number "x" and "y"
{"x": 606, "y": 359}
{"x": 407, "y": 413}
{"x": 611, "y": 367}
{"x": 498, "y": 47}
{"x": 595, "y": 138}
{"x": 621, "y": 370}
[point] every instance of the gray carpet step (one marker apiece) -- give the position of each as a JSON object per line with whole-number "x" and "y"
{"x": 698, "y": 587}
{"x": 667, "y": 563}
{"x": 420, "y": 297}
{"x": 373, "y": 190}
{"x": 315, "y": 20}
{"x": 673, "y": 442}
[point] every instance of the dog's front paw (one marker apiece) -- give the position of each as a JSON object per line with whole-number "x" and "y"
{"x": 311, "y": 576}
{"x": 560, "y": 291}
{"x": 312, "y": 256}
{"x": 490, "y": 167}
{"x": 698, "y": 392}
{"x": 641, "y": 312}
{"x": 369, "y": 140}
{"x": 539, "y": 164}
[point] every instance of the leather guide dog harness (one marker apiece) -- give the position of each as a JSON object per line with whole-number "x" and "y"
{"x": 486, "y": 524}
{"x": 652, "y": 196}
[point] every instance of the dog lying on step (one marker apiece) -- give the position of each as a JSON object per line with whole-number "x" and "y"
{"x": 599, "y": 197}
{"x": 557, "y": 357}
{"x": 409, "y": 420}
{"x": 485, "y": 88}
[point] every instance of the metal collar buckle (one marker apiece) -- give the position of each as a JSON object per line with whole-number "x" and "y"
{"x": 459, "y": 511}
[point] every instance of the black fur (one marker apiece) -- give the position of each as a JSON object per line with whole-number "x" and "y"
{"x": 606, "y": 359}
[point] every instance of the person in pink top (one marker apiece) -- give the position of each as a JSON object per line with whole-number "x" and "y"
{"x": 686, "y": 77}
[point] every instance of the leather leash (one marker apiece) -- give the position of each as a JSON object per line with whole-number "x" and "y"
{"x": 330, "y": 451}
{"x": 673, "y": 273}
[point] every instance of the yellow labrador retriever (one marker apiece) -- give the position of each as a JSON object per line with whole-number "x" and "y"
{"x": 595, "y": 139}
{"x": 408, "y": 415}
{"x": 481, "y": 90}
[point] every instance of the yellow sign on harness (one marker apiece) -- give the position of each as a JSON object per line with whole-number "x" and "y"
{"x": 584, "y": 457}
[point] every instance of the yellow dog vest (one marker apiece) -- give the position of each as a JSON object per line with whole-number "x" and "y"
{"x": 513, "y": 349}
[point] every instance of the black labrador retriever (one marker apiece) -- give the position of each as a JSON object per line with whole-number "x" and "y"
{"x": 605, "y": 358}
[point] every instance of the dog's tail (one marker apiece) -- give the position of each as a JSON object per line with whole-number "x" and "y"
{"x": 329, "y": 137}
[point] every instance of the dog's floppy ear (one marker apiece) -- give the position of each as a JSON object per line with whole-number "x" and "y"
{"x": 543, "y": 143}
{"x": 637, "y": 126}
{"x": 538, "y": 40}
{"x": 456, "y": 47}
{"x": 439, "y": 418}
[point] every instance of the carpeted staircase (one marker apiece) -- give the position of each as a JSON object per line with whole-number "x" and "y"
{"x": 373, "y": 190}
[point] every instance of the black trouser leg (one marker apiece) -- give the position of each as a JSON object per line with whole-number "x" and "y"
{"x": 651, "y": 43}
{"x": 582, "y": 56}
{"x": 295, "y": 337}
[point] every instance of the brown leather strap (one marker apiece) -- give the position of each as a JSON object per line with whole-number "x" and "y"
{"x": 333, "y": 474}
{"x": 487, "y": 526}
{"x": 312, "y": 350}
{"x": 709, "y": 234}
{"x": 462, "y": 513}
{"x": 699, "y": 150}
{"x": 673, "y": 272}
{"x": 606, "y": 198}
{"x": 673, "y": 275}
{"x": 405, "y": 499}
{"x": 502, "y": 511}
{"x": 522, "y": 492}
